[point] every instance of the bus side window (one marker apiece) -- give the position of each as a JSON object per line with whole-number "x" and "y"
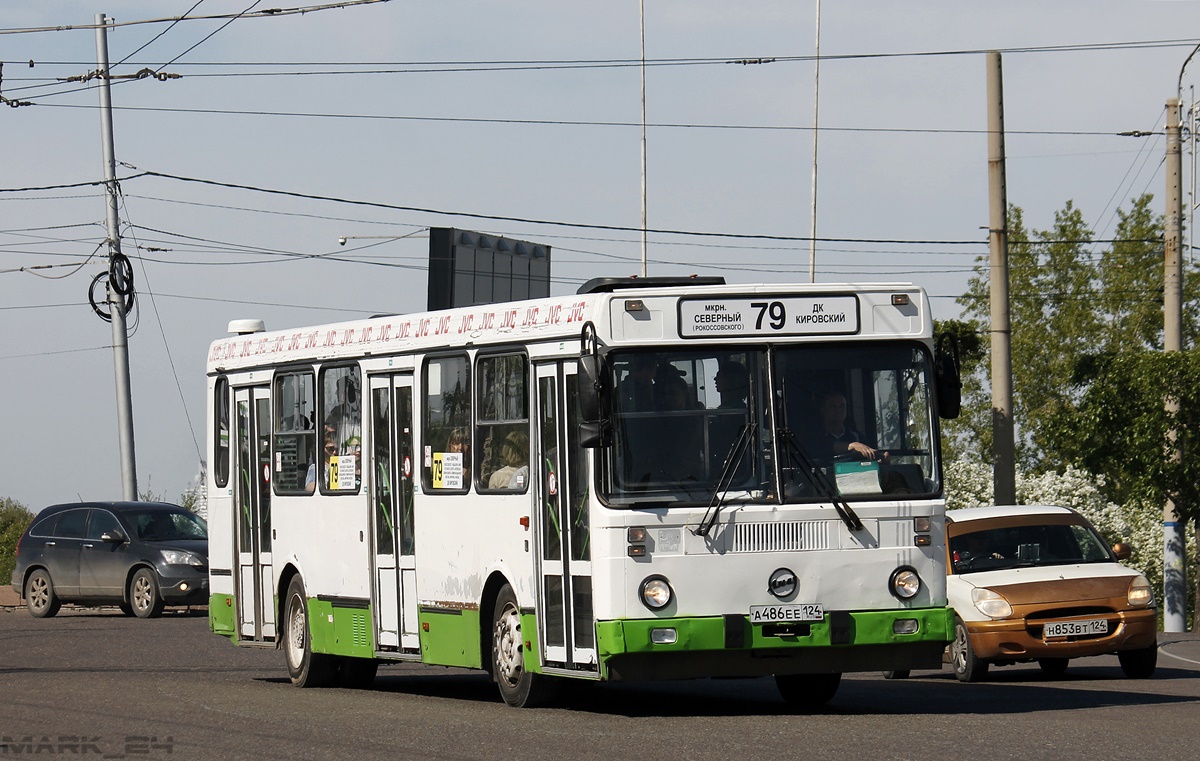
{"x": 341, "y": 430}
{"x": 221, "y": 432}
{"x": 502, "y": 425}
{"x": 445, "y": 411}
{"x": 295, "y": 441}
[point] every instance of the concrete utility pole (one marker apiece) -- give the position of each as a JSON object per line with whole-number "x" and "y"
{"x": 812, "y": 226}
{"x": 118, "y": 284}
{"x": 1004, "y": 467}
{"x": 1174, "y": 568}
{"x": 642, "y": 31}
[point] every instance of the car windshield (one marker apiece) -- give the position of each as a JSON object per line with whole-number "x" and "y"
{"x": 1034, "y": 544}
{"x": 166, "y": 525}
{"x": 708, "y": 424}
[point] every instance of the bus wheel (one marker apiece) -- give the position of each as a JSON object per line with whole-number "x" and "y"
{"x": 144, "y": 596}
{"x": 967, "y": 667}
{"x": 306, "y": 668}
{"x": 519, "y": 688}
{"x": 807, "y": 691}
{"x": 39, "y": 595}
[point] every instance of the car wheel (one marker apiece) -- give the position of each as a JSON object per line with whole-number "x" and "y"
{"x": 40, "y": 597}
{"x": 1053, "y": 666}
{"x": 1139, "y": 664}
{"x": 898, "y": 674}
{"x": 144, "y": 597}
{"x": 967, "y": 667}
{"x": 807, "y": 691}
{"x": 306, "y": 668}
{"x": 126, "y": 608}
{"x": 519, "y": 687}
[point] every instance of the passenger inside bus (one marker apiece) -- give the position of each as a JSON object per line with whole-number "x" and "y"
{"x": 514, "y": 453}
{"x": 733, "y": 384}
{"x": 636, "y": 389}
{"x": 460, "y": 442}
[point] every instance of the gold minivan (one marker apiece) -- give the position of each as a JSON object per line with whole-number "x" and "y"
{"x": 1039, "y": 583}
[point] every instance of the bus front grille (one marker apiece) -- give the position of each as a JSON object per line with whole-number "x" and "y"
{"x": 781, "y": 537}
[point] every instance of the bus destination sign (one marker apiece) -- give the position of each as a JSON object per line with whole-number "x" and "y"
{"x": 725, "y": 317}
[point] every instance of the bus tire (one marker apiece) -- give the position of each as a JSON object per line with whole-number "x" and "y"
{"x": 40, "y": 597}
{"x": 306, "y": 668}
{"x": 519, "y": 687}
{"x": 967, "y": 666}
{"x": 144, "y": 596}
{"x": 807, "y": 691}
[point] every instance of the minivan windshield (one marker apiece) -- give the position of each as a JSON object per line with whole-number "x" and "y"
{"x": 1022, "y": 546}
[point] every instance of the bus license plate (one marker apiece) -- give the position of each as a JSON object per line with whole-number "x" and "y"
{"x": 775, "y": 614}
{"x": 1075, "y": 628}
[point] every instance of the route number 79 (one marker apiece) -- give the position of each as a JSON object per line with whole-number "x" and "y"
{"x": 774, "y": 310}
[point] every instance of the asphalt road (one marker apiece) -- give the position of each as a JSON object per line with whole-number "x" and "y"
{"x": 94, "y": 683}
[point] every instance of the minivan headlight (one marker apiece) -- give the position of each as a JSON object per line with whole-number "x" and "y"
{"x": 990, "y": 603}
{"x": 179, "y": 557}
{"x": 1141, "y": 593}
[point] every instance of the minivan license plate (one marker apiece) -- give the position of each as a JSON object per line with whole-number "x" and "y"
{"x": 1075, "y": 628}
{"x": 777, "y": 614}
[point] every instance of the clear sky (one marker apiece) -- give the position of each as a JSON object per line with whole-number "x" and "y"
{"x": 519, "y": 111}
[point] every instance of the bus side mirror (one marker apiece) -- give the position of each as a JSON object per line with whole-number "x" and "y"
{"x": 594, "y": 428}
{"x": 947, "y": 378}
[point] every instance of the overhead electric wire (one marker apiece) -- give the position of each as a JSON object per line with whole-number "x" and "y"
{"x": 266, "y": 13}
{"x": 591, "y": 123}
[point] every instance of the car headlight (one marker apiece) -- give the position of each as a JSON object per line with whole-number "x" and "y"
{"x": 904, "y": 583}
{"x": 655, "y": 592}
{"x": 991, "y": 604}
{"x": 1140, "y": 592}
{"x": 179, "y": 557}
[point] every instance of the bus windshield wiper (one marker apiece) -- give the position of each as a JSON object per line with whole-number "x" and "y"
{"x": 733, "y": 461}
{"x": 797, "y": 456}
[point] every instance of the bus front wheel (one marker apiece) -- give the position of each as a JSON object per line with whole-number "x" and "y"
{"x": 519, "y": 687}
{"x": 306, "y": 668}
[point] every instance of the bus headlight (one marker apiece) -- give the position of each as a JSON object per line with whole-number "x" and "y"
{"x": 655, "y": 592}
{"x": 1140, "y": 592}
{"x": 991, "y": 604}
{"x": 905, "y": 583}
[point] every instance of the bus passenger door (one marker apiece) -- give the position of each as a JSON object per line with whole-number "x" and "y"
{"x": 394, "y": 586}
{"x": 252, "y": 505}
{"x": 563, "y": 531}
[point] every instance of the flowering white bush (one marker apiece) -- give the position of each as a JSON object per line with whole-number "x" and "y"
{"x": 969, "y": 484}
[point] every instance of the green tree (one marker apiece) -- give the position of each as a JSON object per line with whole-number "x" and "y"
{"x": 14, "y": 519}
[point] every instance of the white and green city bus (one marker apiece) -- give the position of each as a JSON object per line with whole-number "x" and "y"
{"x": 655, "y": 478}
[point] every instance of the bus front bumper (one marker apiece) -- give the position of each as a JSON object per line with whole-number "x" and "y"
{"x": 730, "y": 646}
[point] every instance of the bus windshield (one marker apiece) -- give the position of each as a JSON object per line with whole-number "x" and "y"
{"x": 852, "y": 421}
